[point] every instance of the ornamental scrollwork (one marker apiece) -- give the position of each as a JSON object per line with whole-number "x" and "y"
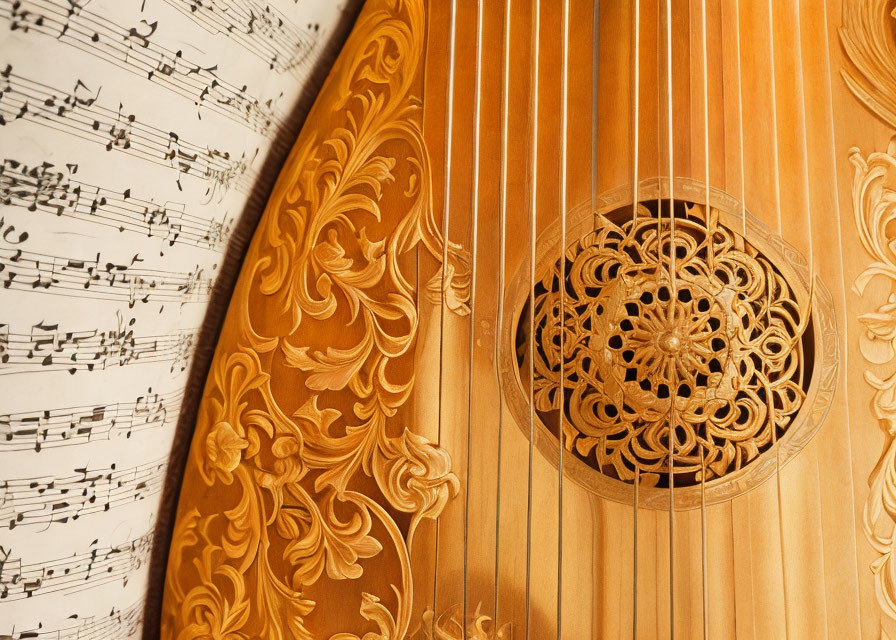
{"x": 874, "y": 206}
{"x": 302, "y": 459}
{"x": 869, "y": 40}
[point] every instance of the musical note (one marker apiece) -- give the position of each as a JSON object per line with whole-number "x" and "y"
{"x": 118, "y": 624}
{"x": 132, "y": 49}
{"x": 136, "y": 135}
{"x": 48, "y": 428}
{"x": 47, "y": 500}
{"x": 121, "y": 131}
{"x": 100, "y": 279}
{"x": 69, "y": 574}
{"x": 4, "y": 343}
{"x": 41, "y": 188}
{"x": 261, "y": 30}
{"x": 47, "y": 348}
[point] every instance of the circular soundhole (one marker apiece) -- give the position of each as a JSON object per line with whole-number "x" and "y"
{"x": 649, "y": 340}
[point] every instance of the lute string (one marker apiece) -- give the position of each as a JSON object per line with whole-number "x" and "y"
{"x": 595, "y": 86}
{"x": 444, "y": 275}
{"x": 674, "y": 390}
{"x": 562, "y": 289}
{"x": 768, "y": 397}
{"x": 505, "y": 110}
{"x": 533, "y": 204}
{"x": 711, "y": 264}
{"x": 740, "y": 121}
{"x": 743, "y": 212}
{"x": 636, "y": 89}
{"x": 477, "y": 101}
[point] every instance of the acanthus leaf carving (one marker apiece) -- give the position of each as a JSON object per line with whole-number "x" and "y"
{"x": 874, "y": 206}
{"x": 296, "y": 413}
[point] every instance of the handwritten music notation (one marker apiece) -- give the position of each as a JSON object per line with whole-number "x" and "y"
{"x": 260, "y": 29}
{"x": 44, "y": 187}
{"x": 48, "y": 428}
{"x": 99, "y": 279}
{"x": 70, "y": 574}
{"x": 48, "y": 348}
{"x": 133, "y": 49}
{"x": 141, "y": 138}
{"x": 48, "y": 500}
{"x": 79, "y": 113}
{"x": 118, "y": 624}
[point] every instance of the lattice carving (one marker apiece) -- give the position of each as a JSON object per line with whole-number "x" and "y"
{"x": 720, "y": 336}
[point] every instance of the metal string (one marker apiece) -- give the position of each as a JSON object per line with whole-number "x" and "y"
{"x": 636, "y": 62}
{"x": 444, "y": 281}
{"x": 595, "y": 84}
{"x": 768, "y": 396}
{"x": 475, "y": 251}
{"x": 743, "y": 210}
{"x": 711, "y": 262}
{"x": 562, "y": 287}
{"x": 674, "y": 390}
{"x": 533, "y": 204}
{"x": 505, "y": 111}
{"x": 740, "y": 119}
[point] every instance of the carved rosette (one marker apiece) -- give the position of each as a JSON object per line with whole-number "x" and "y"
{"x": 713, "y": 346}
{"x": 301, "y": 460}
{"x": 874, "y": 205}
{"x": 732, "y": 344}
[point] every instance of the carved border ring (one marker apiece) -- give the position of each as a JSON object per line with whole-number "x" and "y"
{"x": 786, "y": 259}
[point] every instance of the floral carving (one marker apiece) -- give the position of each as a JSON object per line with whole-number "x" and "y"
{"x": 302, "y": 411}
{"x": 720, "y": 336}
{"x": 874, "y": 205}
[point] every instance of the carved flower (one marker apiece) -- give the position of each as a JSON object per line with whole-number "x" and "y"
{"x": 879, "y": 336}
{"x": 224, "y": 448}
{"x": 720, "y": 346}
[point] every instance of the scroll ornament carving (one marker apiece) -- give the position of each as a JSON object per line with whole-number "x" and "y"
{"x": 868, "y": 35}
{"x": 874, "y": 205}
{"x": 301, "y": 458}
{"x": 451, "y": 625}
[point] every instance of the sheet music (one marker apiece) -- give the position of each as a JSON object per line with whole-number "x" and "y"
{"x": 131, "y": 137}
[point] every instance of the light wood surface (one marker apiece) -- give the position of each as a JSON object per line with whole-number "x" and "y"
{"x": 788, "y": 556}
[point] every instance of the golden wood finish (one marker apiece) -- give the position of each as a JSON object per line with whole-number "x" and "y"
{"x": 738, "y": 329}
{"x": 301, "y": 465}
{"x": 363, "y": 466}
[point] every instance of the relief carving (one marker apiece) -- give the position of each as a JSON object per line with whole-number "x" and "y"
{"x": 302, "y": 458}
{"x": 868, "y": 35}
{"x": 874, "y": 205}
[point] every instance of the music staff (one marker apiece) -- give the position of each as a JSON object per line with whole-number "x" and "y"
{"x": 47, "y": 188}
{"x": 67, "y": 426}
{"x": 117, "y": 625}
{"x": 44, "y": 501}
{"x": 98, "y": 279}
{"x": 99, "y": 565}
{"x": 48, "y": 348}
{"x": 78, "y": 113}
{"x": 260, "y": 29}
{"x": 133, "y": 50}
